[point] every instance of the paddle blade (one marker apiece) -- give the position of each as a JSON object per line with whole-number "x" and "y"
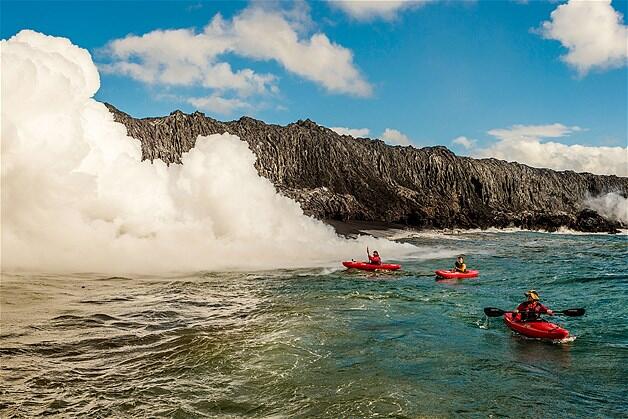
{"x": 573, "y": 312}
{"x": 493, "y": 312}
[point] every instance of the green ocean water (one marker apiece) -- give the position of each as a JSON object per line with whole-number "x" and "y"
{"x": 325, "y": 342}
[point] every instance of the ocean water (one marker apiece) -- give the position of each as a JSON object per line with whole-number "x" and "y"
{"x": 325, "y": 342}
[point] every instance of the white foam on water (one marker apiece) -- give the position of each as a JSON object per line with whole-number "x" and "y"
{"x": 568, "y": 232}
{"x": 566, "y": 340}
{"x": 76, "y": 196}
{"x": 463, "y": 234}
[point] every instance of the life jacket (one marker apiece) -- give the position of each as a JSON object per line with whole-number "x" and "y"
{"x": 460, "y": 266}
{"x": 375, "y": 260}
{"x": 531, "y": 310}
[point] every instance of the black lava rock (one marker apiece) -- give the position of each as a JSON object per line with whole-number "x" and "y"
{"x": 345, "y": 178}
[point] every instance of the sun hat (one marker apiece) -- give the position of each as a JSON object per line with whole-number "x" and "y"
{"x": 532, "y": 294}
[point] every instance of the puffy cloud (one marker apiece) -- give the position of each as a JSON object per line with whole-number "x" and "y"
{"x": 268, "y": 35}
{"x": 353, "y": 132}
{"x": 245, "y": 82}
{"x": 217, "y": 104}
{"x": 395, "y": 137}
{"x": 524, "y": 144}
{"x": 365, "y": 10}
{"x": 188, "y": 57}
{"x": 593, "y": 33}
{"x": 170, "y": 57}
{"x": 464, "y": 141}
{"x": 390, "y": 136}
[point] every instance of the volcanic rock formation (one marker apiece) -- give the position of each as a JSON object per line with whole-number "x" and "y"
{"x": 337, "y": 177}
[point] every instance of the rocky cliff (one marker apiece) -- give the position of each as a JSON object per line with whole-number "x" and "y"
{"x": 344, "y": 178}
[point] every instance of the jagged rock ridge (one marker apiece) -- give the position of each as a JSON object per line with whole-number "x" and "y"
{"x": 345, "y": 178}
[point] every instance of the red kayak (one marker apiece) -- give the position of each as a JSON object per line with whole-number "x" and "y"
{"x": 447, "y": 274}
{"x": 538, "y": 329}
{"x": 365, "y": 266}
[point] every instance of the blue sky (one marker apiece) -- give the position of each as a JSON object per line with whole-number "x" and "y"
{"x": 433, "y": 72}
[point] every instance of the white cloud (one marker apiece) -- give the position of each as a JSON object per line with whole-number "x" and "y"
{"x": 194, "y": 7}
{"x": 266, "y": 35}
{"x": 531, "y": 132}
{"x": 245, "y": 82}
{"x": 179, "y": 57}
{"x": 395, "y": 137}
{"x": 365, "y": 10}
{"x": 464, "y": 141}
{"x": 524, "y": 144}
{"x": 187, "y": 57}
{"x": 353, "y": 132}
{"x": 593, "y": 33}
{"x": 218, "y": 104}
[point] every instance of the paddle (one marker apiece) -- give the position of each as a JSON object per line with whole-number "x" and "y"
{"x": 571, "y": 312}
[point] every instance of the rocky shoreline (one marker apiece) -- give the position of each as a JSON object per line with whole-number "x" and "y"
{"x": 346, "y": 179}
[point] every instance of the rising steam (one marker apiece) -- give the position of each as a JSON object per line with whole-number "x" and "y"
{"x": 611, "y": 205}
{"x": 77, "y": 197}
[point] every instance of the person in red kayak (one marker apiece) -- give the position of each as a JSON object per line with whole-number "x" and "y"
{"x": 531, "y": 309}
{"x": 375, "y": 259}
{"x": 460, "y": 266}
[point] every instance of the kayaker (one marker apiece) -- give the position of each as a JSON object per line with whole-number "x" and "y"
{"x": 460, "y": 266}
{"x": 531, "y": 309}
{"x": 375, "y": 259}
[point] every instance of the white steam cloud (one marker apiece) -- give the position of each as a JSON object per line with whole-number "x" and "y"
{"x": 77, "y": 197}
{"x": 612, "y": 206}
